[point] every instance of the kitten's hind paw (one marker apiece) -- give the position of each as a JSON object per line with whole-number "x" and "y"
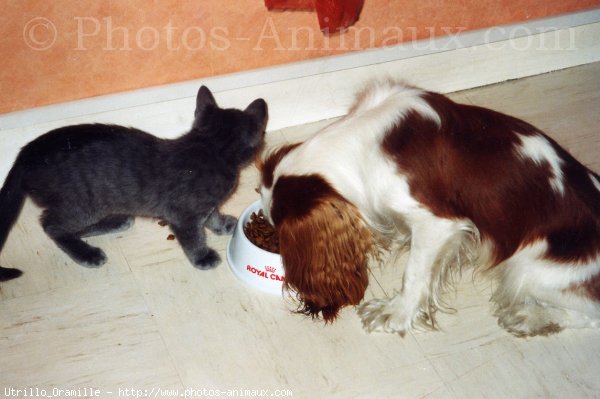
{"x": 81, "y": 252}
{"x": 209, "y": 260}
{"x": 9, "y": 273}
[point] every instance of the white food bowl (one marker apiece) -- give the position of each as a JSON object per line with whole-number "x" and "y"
{"x": 255, "y": 266}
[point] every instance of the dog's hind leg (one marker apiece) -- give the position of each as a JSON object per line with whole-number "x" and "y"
{"x": 539, "y": 317}
{"x": 536, "y": 296}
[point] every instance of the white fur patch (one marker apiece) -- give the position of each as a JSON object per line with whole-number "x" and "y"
{"x": 528, "y": 274}
{"x": 538, "y": 149}
{"x": 347, "y": 153}
{"x": 595, "y": 181}
{"x": 265, "y": 196}
{"x": 388, "y": 98}
{"x": 530, "y": 264}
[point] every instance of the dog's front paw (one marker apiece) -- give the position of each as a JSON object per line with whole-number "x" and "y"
{"x": 386, "y": 315}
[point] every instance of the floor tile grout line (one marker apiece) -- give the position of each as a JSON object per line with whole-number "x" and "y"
{"x": 159, "y": 330}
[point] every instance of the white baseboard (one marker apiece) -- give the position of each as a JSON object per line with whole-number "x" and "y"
{"x": 323, "y": 88}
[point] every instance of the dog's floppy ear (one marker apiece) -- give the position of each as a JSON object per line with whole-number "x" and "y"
{"x": 325, "y": 247}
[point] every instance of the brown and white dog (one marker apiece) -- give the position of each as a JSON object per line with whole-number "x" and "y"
{"x": 407, "y": 164}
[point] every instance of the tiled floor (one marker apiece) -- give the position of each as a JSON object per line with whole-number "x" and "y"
{"x": 147, "y": 320}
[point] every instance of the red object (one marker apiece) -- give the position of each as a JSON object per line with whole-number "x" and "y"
{"x": 333, "y": 14}
{"x": 337, "y": 14}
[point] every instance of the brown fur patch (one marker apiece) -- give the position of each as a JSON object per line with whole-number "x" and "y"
{"x": 325, "y": 245}
{"x": 468, "y": 168}
{"x": 267, "y": 165}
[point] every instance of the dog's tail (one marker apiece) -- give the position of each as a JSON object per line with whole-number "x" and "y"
{"x": 12, "y": 196}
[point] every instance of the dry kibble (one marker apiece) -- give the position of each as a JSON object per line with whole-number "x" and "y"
{"x": 261, "y": 233}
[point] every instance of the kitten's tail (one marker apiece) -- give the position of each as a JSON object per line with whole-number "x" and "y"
{"x": 12, "y": 197}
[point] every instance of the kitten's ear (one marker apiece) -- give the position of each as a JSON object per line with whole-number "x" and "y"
{"x": 258, "y": 109}
{"x": 203, "y": 100}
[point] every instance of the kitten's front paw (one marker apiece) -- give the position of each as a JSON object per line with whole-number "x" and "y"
{"x": 209, "y": 260}
{"x": 385, "y": 315}
{"x": 227, "y": 225}
{"x": 94, "y": 257}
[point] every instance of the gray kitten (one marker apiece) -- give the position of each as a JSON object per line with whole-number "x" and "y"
{"x": 93, "y": 179}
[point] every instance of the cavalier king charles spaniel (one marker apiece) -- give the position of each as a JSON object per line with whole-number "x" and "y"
{"x": 460, "y": 184}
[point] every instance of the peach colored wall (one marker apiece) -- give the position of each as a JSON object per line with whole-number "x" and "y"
{"x": 53, "y": 51}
